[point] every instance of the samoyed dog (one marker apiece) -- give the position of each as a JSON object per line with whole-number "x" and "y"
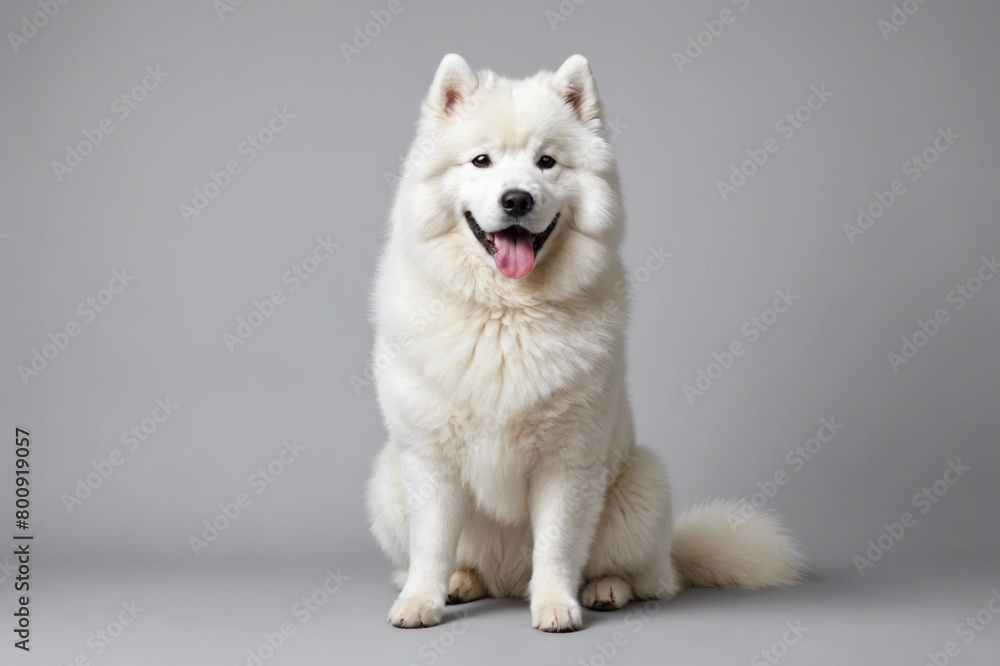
{"x": 512, "y": 468}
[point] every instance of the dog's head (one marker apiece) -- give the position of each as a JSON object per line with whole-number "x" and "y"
{"x": 512, "y": 180}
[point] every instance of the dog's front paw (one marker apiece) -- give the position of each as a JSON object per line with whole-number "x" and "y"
{"x": 556, "y": 616}
{"x": 412, "y": 613}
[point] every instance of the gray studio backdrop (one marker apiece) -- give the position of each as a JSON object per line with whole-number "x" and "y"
{"x": 195, "y": 194}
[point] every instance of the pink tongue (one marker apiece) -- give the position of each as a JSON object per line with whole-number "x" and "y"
{"x": 515, "y": 256}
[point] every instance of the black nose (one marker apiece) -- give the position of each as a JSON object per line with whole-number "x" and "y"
{"x": 517, "y": 202}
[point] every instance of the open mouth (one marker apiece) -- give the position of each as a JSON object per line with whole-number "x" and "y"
{"x": 514, "y": 248}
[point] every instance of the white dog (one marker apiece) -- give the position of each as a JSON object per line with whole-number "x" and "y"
{"x": 511, "y": 468}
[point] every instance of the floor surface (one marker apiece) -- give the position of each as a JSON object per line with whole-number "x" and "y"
{"x": 223, "y": 614}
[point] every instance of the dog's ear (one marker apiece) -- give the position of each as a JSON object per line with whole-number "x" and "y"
{"x": 577, "y": 86}
{"x": 453, "y": 84}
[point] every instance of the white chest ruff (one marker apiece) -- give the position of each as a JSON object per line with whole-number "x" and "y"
{"x": 491, "y": 391}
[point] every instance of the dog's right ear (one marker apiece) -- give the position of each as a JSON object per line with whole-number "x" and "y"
{"x": 453, "y": 84}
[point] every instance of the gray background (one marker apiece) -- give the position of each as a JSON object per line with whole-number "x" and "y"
{"x": 325, "y": 175}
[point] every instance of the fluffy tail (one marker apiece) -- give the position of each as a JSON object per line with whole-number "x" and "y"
{"x": 716, "y": 545}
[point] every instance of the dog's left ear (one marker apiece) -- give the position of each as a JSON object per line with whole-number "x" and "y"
{"x": 577, "y": 86}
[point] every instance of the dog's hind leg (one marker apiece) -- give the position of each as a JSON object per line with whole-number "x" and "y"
{"x": 631, "y": 554}
{"x": 465, "y": 586}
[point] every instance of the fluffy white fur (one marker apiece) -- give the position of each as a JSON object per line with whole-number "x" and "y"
{"x": 511, "y": 468}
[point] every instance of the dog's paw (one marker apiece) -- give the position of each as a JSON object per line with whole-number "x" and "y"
{"x": 607, "y": 593}
{"x": 465, "y": 586}
{"x": 556, "y": 616}
{"x": 413, "y": 613}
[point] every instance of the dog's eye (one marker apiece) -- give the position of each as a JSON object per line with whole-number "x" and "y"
{"x": 481, "y": 161}
{"x": 546, "y": 162}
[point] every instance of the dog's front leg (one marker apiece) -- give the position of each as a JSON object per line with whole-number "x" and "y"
{"x": 437, "y": 506}
{"x": 566, "y": 504}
